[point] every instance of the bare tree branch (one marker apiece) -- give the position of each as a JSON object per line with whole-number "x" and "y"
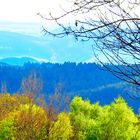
{"x": 114, "y": 26}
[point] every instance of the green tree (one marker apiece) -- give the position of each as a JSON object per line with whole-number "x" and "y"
{"x": 6, "y": 129}
{"x": 30, "y": 122}
{"x": 110, "y": 122}
{"x": 61, "y": 129}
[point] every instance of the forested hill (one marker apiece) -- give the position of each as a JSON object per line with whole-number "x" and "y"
{"x": 72, "y": 76}
{"x": 86, "y": 80}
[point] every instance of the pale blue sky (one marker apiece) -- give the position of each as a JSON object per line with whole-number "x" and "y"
{"x": 26, "y": 10}
{"x": 21, "y": 16}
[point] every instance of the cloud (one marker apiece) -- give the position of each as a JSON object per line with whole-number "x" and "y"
{"x": 54, "y": 58}
{"x": 33, "y": 29}
{"x": 40, "y": 59}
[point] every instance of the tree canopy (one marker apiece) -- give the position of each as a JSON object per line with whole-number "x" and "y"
{"x": 20, "y": 119}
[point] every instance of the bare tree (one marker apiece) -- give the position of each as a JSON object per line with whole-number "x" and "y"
{"x": 4, "y": 87}
{"x": 113, "y": 26}
{"x": 31, "y": 86}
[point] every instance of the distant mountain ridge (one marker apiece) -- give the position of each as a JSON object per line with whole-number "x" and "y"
{"x": 18, "y": 60}
{"x": 45, "y": 47}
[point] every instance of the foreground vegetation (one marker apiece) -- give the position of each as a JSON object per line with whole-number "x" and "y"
{"x": 23, "y": 117}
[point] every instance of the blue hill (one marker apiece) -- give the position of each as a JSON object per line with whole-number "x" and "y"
{"x": 43, "y": 47}
{"x": 18, "y": 61}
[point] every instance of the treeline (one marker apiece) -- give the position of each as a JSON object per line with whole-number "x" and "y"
{"x": 29, "y": 117}
{"x": 74, "y": 77}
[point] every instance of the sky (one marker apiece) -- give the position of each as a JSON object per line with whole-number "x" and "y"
{"x": 21, "y": 15}
{"x": 26, "y": 10}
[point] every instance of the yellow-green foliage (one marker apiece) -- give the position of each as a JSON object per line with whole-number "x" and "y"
{"x": 21, "y": 119}
{"x": 111, "y": 122}
{"x": 30, "y": 121}
{"x": 6, "y": 129}
{"x": 61, "y": 129}
{"x": 10, "y": 103}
